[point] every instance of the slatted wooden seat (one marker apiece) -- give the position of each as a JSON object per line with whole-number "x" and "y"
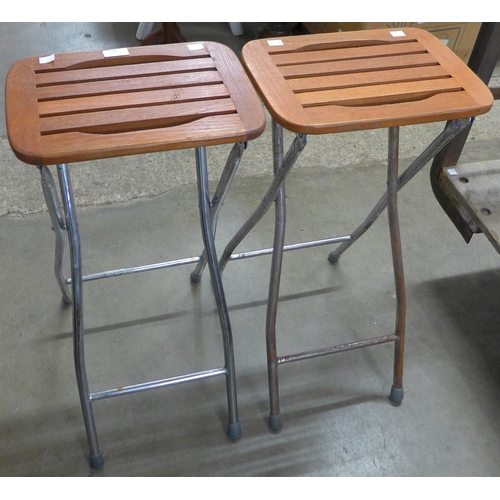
{"x": 339, "y": 82}
{"x": 343, "y": 82}
{"x": 86, "y": 106}
{"x": 101, "y": 104}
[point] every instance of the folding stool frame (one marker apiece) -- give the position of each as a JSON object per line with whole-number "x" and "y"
{"x": 66, "y": 231}
{"x": 276, "y": 194}
{"x": 345, "y": 82}
{"x": 99, "y": 104}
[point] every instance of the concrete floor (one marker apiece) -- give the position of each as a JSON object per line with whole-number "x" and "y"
{"x": 338, "y": 420}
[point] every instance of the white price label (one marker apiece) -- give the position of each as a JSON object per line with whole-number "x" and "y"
{"x": 115, "y": 52}
{"x": 46, "y": 59}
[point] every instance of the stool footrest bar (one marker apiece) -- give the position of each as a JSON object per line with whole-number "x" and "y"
{"x": 286, "y": 248}
{"x": 157, "y": 384}
{"x": 140, "y": 269}
{"x": 192, "y": 260}
{"x": 336, "y": 348}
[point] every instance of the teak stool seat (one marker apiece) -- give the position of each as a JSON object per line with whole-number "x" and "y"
{"x": 343, "y": 82}
{"x": 102, "y": 104}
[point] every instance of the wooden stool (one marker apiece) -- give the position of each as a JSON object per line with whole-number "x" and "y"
{"x": 342, "y": 82}
{"x": 102, "y": 104}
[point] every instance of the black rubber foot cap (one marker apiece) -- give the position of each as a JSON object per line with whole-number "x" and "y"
{"x": 275, "y": 423}
{"x": 234, "y": 431}
{"x": 96, "y": 461}
{"x": 396, "y": 395}
{"x": 195, "y": 278}
{"x": 333, "y": 258}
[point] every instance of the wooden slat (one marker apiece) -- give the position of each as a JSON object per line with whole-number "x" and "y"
{"x": 308, "y": 57}
{"x": 96, "y": 58}
{"x": 78, "y": 146}
{"x": 135, "y": 118}
{"x": 366, "y": 78}
{"x": 131, "y": 100}
{"x": 326, "y": 41}
{"x": 128, "y": 85}
{"x": 358, "y": 65}
{"x": 440, "y": 107}
{"x": 379, "y": 94}
{"x": 124, "y": 71}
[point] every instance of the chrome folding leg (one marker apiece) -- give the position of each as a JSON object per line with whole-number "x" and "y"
{"x": 67, "y": 225}
{"x": 96, "y": 457}
{"x": 226, "y": 178}
{"x": 59, "y": 227}
{"x": 234, "y": 428}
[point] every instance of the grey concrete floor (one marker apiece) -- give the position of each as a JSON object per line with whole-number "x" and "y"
{"x": 338, "y": 420}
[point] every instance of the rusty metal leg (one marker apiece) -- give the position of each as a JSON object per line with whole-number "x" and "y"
{"x": 293, "y": 153}
{"x": 397, "y": 259}
{"x": 275, "y": 422}
{"x": 226, "y": 178}
{"x": 450, "y": 131}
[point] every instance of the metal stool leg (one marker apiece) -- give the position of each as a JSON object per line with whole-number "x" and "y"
{"x": 293, "y": 153}
{"x": 450, "y": 131}
{"x": 234, "y": 427}
{"x": 59, "y": 227}
{"x": 397, "y": 259}
{"x": 226, "y": 178}
{"x": 275, "y": 422}
{"x": 96, "y": 457}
